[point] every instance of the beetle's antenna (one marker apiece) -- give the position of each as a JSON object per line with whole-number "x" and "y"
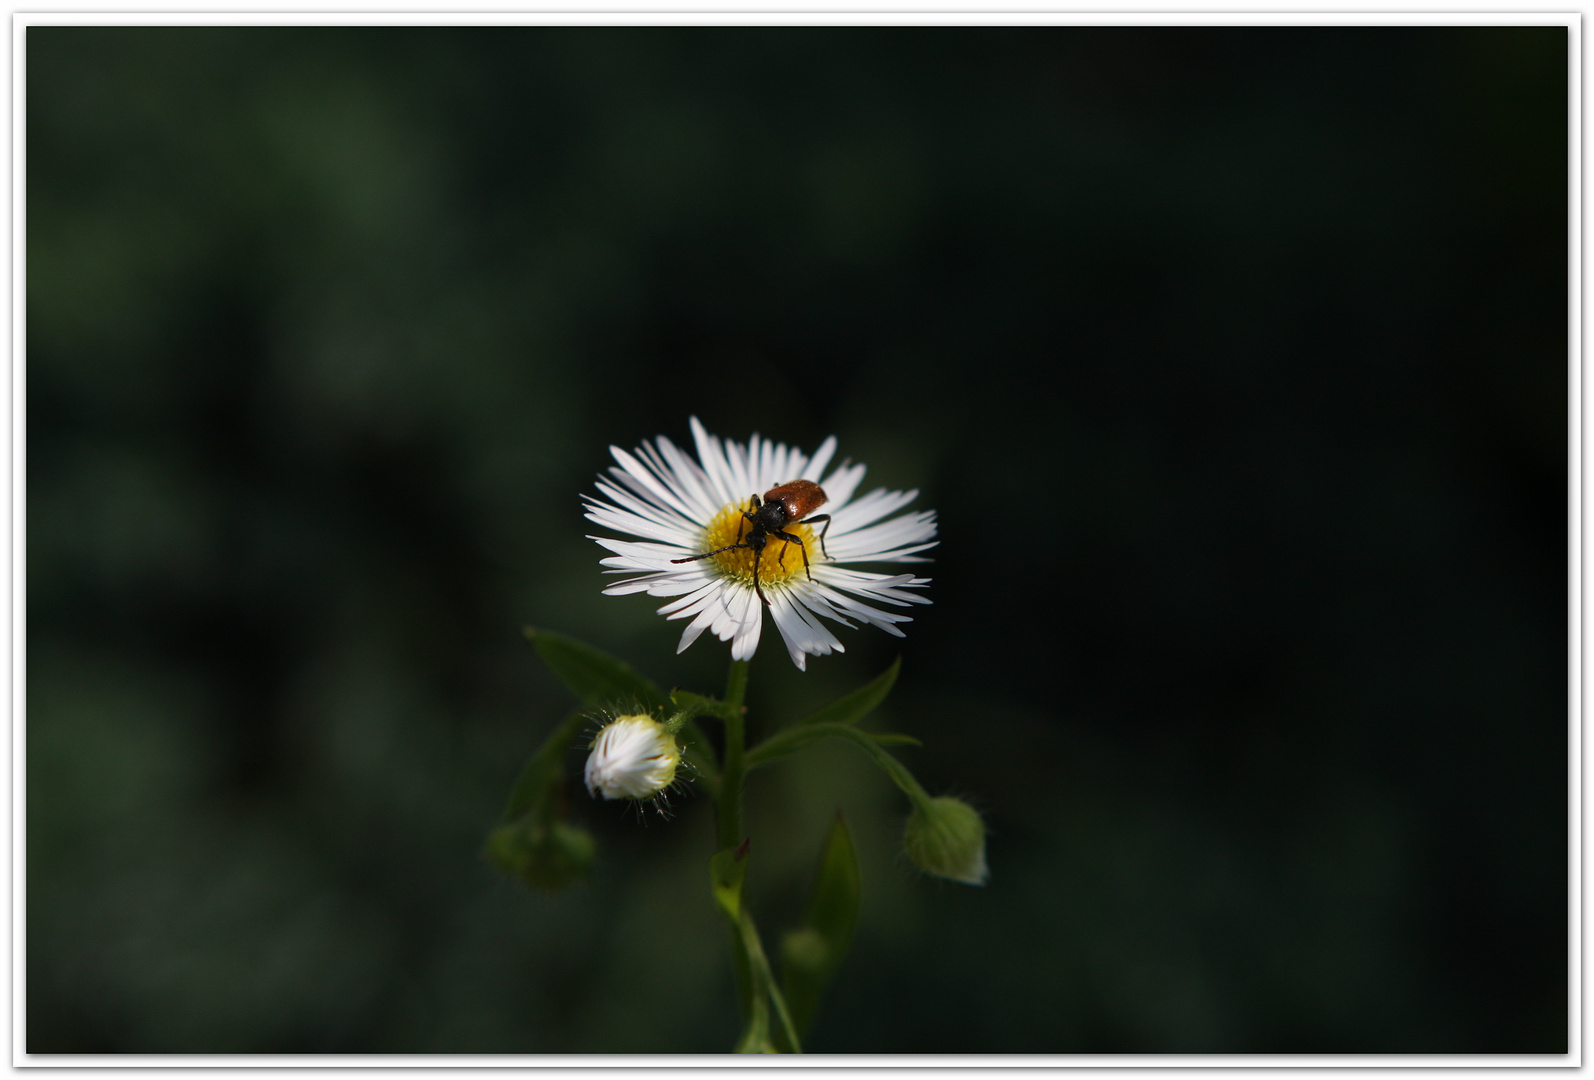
{"x": 706, "y": 554}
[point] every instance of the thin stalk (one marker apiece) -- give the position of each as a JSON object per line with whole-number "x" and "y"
{"x": 778, "y": 746}
{"x": 764, "y": 984}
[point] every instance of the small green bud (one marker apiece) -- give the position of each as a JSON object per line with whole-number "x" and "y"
{"x": 549, "y": 857}
{"x": 947, "y": 838}
{"x": 805, "y": 949}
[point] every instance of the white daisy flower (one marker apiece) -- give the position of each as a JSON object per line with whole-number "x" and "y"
{"x": 702, "y": 542}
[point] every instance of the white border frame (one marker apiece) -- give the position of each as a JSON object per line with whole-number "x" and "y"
{"x": 725, "y": 12}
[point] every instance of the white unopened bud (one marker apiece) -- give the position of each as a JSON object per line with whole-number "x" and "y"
{"x": 632, "y": 758}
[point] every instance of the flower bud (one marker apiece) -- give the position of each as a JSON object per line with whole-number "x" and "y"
{"x": 545, "y": 856}
{"x": 632, "y": 758}
{"x": 946, "y": 838}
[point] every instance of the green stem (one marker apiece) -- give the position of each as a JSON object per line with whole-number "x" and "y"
{"x": 778, "y": 746}
{"x": 764, "y": 985}
{"x": 732, "y": 769}
{"x": 736, "y": 684}
{"x": 734, "y": 766}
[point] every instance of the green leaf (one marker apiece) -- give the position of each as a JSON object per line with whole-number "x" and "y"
{"x": 788, "y": 741}
{"x": 782, "y": 743}
{"x": 793, "y": 739}
{"x": 841, "y": 713}
{"x": 534, "y": 843}
{"x": 860, "y": 703}
{"x": 833, "y": 911}
{"x": 811, "y": 954}
{"x": 536, "y": 786}
{"x": 593, "y": 675}
{"x": 533, "y": 787}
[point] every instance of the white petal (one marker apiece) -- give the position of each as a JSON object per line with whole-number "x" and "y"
{"x": 788, "y": 463}
{"x": 761, "y": 461}
{"x": 695, "y": 629}
{"x": 695, "y": 600}
{"x": 623, "y": 492}
{"x": 816, "y": 466}
{"x": 622, "y": 521}
{"x": 647, "y": 556}
{"x": 816, "y": 598}
{"x": 694, "y": 482}
{"x": 736, "y": 457}
{"x": 803, "y": 632}
{"x": 865, "y": 613}
{"x": 750, "y": 611}
{"x": 840, "y": 484}
{"x": 790, "y": 632}
{"x": 874, "y": 586}
{"x": 886, "y": 541}
{"x": 653, "y": 585}
{"x": 872, "y": 507}
{"x": 661, "y": 492}
{"x": 712, "y": 455}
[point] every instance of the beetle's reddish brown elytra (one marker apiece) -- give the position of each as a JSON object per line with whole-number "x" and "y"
{"x": 782, "y": 505}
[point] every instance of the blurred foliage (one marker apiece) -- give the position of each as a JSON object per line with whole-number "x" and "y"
{"x": 1235, "y": 361}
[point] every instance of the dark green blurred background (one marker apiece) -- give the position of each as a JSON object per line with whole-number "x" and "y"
{"x": 1234, "y": 361}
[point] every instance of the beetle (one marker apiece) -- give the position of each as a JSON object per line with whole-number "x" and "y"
{"x": 782, "y": 505}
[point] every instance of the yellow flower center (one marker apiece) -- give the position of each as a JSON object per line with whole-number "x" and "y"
{"x": 779, "y": 559}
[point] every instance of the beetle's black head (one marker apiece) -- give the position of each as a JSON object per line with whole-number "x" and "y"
{"x": 771, "y": 516}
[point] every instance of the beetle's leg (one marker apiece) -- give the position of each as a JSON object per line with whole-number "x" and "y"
{"x": 790, "y": 539}
{"x": 748, "y": 515}
{"x": 816, "y": 520}
{"x": 758, "y": 557}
